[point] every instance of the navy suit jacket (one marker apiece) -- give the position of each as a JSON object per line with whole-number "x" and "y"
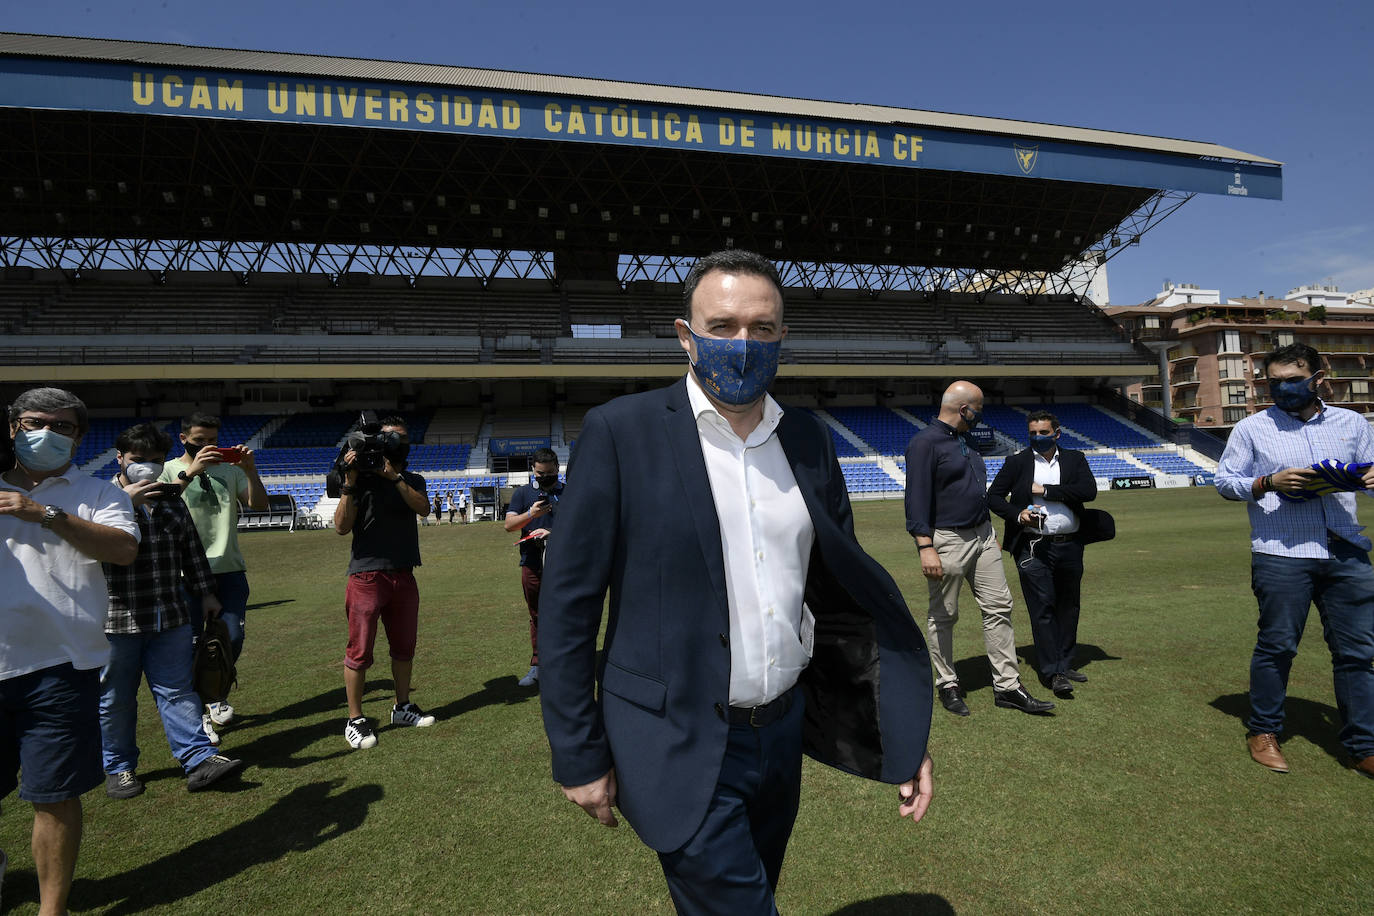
{"x": 1011, "y": 491}
{"x": 638, "y": 521}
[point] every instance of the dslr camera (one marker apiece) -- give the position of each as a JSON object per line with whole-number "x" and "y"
{"x": 371, "y": 447}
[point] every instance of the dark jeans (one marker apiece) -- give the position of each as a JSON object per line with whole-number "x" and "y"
{"x": 731, "y": 864}
{"x": 1343, "y": 589}
{"x": 1051, "y": 581}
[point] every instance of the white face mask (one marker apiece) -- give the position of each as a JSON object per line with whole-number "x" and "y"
{"x": 139, "y": 471}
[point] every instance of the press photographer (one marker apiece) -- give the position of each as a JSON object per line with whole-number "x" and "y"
{"x": 378, "y": 503}
{"x": 531, "y": 510}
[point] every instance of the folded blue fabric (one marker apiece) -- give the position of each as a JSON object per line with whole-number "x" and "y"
{"x": 1332, "y": 477}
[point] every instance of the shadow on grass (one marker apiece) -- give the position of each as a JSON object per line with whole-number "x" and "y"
{"x": 498, "y": 691}
{"x": 898, "y": 905}
{"x": 1317, "y": 722}
{"x": 1083, "y": 657}
{"x": 254, "y": 607}
{"x": 302, "y": 820}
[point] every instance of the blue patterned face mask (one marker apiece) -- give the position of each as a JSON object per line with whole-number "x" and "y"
{"x": 1042, "y": 444}
{"x": 1292, "y": 394}
{"x": 735, "y": 371}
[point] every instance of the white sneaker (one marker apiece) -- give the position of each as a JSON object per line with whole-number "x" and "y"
{"x": 209, "y": 729}
{"x": 531, "y": 677}
{"x": 359, "y": 734}
{"x": 410, "y": 714}
{"x": 220, "y": 713}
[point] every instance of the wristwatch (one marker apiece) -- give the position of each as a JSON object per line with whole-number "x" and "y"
{"x": 183, "y": 476}
{"x": 52, "y": 514}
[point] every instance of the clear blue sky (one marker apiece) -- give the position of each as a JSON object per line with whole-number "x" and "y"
{"x": 1293, "y": 82}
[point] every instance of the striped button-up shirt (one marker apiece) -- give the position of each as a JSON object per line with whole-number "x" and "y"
{"x": 146, "y": 596}
{"x": 1272, "y": 440}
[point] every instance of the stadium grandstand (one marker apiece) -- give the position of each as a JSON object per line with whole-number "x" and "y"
{"x": 286, "y": 239}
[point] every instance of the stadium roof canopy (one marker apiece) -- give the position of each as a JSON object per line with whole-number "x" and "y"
{"x": 103, "y": 139}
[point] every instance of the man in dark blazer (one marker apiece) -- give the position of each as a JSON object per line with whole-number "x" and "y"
{"x": 1040, "y": 492}
{"x": 746, "y": 625}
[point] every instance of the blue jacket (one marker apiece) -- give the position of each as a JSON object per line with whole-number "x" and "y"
{"x": 638, "y": 521}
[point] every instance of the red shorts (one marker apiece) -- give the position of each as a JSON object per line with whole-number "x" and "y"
{"x": 391, "y": 596}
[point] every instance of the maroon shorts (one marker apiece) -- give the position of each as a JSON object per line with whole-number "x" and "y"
{"x": 391, "y": 596}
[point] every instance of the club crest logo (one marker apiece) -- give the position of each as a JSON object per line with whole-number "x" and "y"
{"x": 1025, "y": 157}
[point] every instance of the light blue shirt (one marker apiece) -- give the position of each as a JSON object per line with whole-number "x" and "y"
{"x": 1272, "y": 440}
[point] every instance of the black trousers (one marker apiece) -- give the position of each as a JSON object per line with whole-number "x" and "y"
{"x": 1051, "y": 579}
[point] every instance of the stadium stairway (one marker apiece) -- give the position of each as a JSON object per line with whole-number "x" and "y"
{"x": 845, "y": 433}
{"x": 257, "y": 439}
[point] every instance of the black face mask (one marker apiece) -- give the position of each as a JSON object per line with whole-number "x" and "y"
{"x": 191, "y": 448}
{"x": 546, "y": 482}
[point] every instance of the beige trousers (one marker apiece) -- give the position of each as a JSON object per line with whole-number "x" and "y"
{"x": 972, "y": 554}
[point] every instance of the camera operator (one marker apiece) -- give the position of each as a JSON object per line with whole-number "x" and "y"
{"x": 531, "y": 510}
{"x": 379, "y": 501}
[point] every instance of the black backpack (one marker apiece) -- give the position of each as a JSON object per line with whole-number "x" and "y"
{"x": 213, "y": 667}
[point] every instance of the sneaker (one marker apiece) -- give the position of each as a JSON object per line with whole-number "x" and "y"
{"x": 531, "y": 677}
{"x": 210, "y": 771}
{"x": 123, "y": 785}
{"x": 410, "y": 714}
{"x": 209, "y": 728}
{"x": 359, "y": 734}
{"x": 221, "y": 713}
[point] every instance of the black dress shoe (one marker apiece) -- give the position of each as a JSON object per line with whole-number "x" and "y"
{"x": 1020, "y": 699}
{"x": 1076, "y": 676}
{"x": 1061, "y": 686}
{"x": 952, "y": 697}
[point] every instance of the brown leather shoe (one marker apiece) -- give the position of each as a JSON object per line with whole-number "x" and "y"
{"x": 1366, "y": 766}
{"x": 1264, "y": 750}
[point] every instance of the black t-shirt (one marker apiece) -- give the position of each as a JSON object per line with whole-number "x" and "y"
{"x": 384, "y": 532}
{"x": 523, "y": 500}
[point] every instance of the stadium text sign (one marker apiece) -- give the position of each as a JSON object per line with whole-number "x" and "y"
{"x": 135, "y": 89}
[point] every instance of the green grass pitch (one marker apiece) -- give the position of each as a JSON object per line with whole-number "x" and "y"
{"x": 1135, "y": 797}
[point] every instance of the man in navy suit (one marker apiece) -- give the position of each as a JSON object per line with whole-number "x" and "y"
{"x": 746, "y": 625}
{"x": 1040, "y": 492}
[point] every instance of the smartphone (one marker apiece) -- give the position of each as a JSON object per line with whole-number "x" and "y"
{"x": 160, "y": 490}
{"x": 227, "y": 454}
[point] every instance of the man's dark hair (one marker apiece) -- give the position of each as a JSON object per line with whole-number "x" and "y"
{"x": 730, "y": 261}
{"x": 394, "y": 420}
{"x": 543, "y": 455}
{"x": 1292, "y": 354}
{"x": 50, "y": 400}
{"x": 1038, "y": 415}
{"x": 204, "y": 420}
{"x": 144, "y": 438}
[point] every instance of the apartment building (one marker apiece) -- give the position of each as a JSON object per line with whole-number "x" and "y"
{"x": 1212, "y": 349}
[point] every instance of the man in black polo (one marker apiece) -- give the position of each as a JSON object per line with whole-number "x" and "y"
{"x": 1039, "y": 492}
{"x": 947, "y": 514}
{"x": 379, "y": 507}
{"x": 531, "y": 511}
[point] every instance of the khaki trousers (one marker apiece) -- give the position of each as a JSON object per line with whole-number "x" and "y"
{"x": 972, "y": 554}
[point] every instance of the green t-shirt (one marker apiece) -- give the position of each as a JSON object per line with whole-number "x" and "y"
{"x": 215, "y": 511}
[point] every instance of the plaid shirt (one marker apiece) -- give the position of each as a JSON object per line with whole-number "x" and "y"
{"x": 146, "y": 595}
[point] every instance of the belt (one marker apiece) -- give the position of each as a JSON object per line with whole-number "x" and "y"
{"x": 759, "y": 716}
{"x": 1059, "y": 538}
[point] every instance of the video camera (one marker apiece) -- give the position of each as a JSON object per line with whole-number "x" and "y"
{"x": 371, "y": 446}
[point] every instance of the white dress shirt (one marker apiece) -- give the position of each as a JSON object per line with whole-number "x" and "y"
{"x": 1059, "y": 518}
{"x": 53, "y": 601}
{"x": 765, "y": 538}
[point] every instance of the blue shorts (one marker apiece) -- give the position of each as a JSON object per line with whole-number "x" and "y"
{"x": 50, "y": 733}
